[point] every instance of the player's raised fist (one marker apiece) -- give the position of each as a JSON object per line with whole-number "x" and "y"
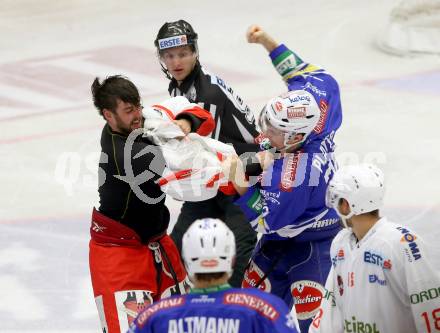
{"x": 254, "y": 34}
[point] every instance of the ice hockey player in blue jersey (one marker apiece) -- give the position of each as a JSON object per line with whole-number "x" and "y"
{"x": 287, "y": 202}
{"x": 208, "y": 251}
{"x": 301, "y": 75}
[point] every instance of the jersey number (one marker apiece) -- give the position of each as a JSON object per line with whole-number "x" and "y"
{"x": 317, "y": 320}
{"x": 435, "y": 316}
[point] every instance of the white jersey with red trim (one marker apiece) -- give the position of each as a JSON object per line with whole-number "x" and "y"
{"x": 383, "y": 283}
{"x": 193, "y": 162}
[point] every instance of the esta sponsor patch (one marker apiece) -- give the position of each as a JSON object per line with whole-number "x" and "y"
{"x": 377, "y": 259}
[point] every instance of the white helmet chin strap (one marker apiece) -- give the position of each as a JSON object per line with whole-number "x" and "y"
{"x": 343, "y": 217}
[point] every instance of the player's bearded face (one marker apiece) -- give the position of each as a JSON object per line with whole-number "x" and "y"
{"x": 127, "y": 117}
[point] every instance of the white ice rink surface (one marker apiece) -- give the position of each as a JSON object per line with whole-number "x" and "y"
{"x": 50, "y": 51}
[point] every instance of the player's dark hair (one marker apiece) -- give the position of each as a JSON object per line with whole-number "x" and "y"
{"x": 106, "y": 94}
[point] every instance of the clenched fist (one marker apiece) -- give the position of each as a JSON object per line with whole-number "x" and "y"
{"x": 255, "y": 34}
{"x": 184, "y": 124}
{"x": 233, "y": 170}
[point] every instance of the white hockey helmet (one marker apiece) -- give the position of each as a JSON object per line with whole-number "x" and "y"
{"x": 361, "y": 185}
{"x": 208, "y": 246}
{"x": 292, "y": 113}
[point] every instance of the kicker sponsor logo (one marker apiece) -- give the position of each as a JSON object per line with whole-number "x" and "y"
{"x": 253, "y": 302}
{"x": 308, "y": 296}
{"x": 252, "y": 276}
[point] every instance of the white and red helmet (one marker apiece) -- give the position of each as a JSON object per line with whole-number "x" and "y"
{"x": 361, "y": 185}
{"x": 208, "y": 246}
{"x": 294, "y": 112}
